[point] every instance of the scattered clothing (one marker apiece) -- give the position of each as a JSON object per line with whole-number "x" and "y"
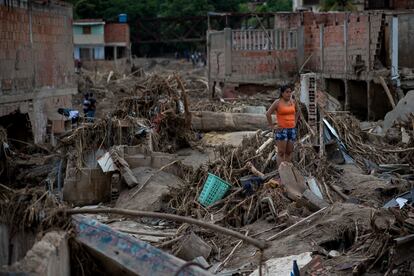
{"x": 71, "y": 114}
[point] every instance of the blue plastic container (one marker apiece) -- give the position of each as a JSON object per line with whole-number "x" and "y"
{"x": 214, "y": 189}
{"x": 123, "y": 18}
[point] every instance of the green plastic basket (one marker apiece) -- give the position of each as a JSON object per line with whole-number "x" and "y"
{"x": 214, "y": 189}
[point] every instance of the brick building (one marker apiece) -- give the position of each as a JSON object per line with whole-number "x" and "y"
{"x": 117, "y": 41}
{"x": 348, "y": 51}
{"x": 358, "y": 5}
{"x": 36, "y": 66}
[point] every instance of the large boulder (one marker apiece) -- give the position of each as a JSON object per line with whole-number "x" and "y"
{"x": 150, "y": 198}
{"x": 401, "y": 112}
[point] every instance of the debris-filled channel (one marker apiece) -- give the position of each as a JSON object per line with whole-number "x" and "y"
{"x": 165, "y": 180}
{"x": 176, "y": 137}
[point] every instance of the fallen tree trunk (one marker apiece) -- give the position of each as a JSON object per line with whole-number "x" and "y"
{"x": 258, "y": 243}
{"x": 216, "y": 121}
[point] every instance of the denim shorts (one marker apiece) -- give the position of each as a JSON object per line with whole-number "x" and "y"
{"x": 286, "y": 134}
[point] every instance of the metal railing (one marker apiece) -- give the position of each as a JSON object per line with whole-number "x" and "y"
{"x": 265, "y": 40}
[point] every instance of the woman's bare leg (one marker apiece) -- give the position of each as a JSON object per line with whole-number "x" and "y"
{"x": 289, "y": 151}
{"x": 281, "y": 152}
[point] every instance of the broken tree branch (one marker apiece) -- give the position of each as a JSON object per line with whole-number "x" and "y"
{"x": 231, "y": 254}
{"x": 387, "y": 91}
{"x": 144, "y": 233}
{"x": 339, "y": 192}
{"x": 261, "y": 244}
{"x": 151, "y": 176}
{"x": 254, "y": 170}
{"x": 396, "y": 150}
{"x": 295, "y": 225}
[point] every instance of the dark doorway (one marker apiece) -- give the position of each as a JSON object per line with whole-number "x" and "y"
{"x": 358, "y": 99}
{"x": 18, "y": 127}
{"x": 121, "y": 52}
{"x": 109, "y": 53}
{"x": 380, "y": 105}
{"x": 336, "y": 88}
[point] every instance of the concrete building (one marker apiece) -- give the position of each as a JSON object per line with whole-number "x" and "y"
{"x": 36, "y": 67}
{"x": 350, "y": 53}
{"x": 312, "y": 5}
{"x": 100, "y": 44}
{"x": 89, "y": 39}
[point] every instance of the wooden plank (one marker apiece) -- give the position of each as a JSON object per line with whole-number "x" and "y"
{"x": 387, "y": 91}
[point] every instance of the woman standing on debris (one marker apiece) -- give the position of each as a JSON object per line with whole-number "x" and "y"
{"x": 285, "y": 131}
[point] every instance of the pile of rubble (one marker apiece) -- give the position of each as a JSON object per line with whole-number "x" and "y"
{"x": 344, "y": 205}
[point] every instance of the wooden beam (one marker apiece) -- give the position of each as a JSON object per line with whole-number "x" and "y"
{"x": 387, "y": 91}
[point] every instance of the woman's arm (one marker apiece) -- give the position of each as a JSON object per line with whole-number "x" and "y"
{"x": 271, "y": 111}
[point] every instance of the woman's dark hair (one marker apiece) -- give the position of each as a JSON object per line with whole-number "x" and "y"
{"x": 283, "y": 88}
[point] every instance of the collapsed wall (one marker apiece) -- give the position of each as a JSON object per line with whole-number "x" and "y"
{"x": 349, "y": 51}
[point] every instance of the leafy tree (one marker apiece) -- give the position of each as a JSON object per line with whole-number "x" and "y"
{"x": 337, "y": 5}
{"x": 185, "y": 7}
{"x": 227, "y": 6}
{"x": 279, "y": 5}
{"x": 268, "y": 6}
{"x": 109, "y": 9}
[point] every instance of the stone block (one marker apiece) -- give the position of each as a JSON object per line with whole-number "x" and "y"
{"x": 47, "y": 257}
{"x": 313, "y": 202}
{"x": 87, "y": 186}
{"x": 138, "y": 160}
{"x": 192, "y": 247}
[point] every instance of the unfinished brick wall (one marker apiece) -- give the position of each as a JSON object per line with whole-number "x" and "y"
{"x": 403, "y": 4}
{"x": 339, "y": 45}
{"x": 35, "y": 47}
{"x": 257, "y": 66}
{"x": 358, "y": 50}
{"x": 287, "y": 20}
{"x": 340, "y": 56}
{"x": 216, "y": 55}
{"x": 116, "y": 32}
{"x": 334, "y": 44}
{"x": 36, "y": 61}
{"x": 311, "y": 42}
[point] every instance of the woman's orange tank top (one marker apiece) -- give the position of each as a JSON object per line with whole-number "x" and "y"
{"x": 285, "y": 115}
